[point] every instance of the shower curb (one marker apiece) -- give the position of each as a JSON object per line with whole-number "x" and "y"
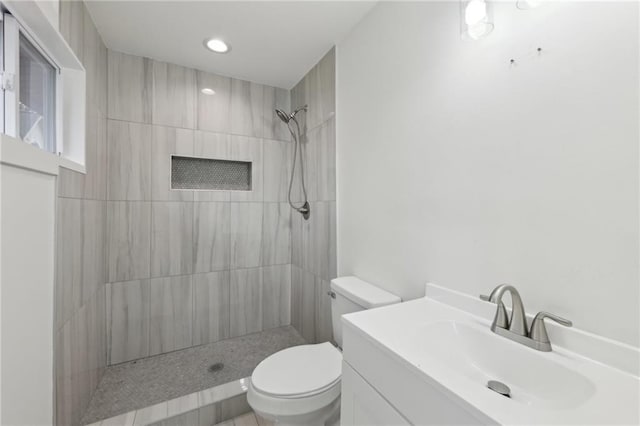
{"x": 209, "y": 406}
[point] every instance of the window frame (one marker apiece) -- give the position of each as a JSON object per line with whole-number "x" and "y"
{"x": 11, "y": 33}
{"x": 41, "y": 29}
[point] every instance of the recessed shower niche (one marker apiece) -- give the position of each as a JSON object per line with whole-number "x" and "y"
{"x": 210, "y": 174}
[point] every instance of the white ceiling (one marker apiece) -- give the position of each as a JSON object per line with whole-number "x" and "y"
{"x": 272, "y": 42}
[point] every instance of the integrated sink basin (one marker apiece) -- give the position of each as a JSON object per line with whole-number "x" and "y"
{"x": 478, "y": 355}
{"x": 432, "y": 362}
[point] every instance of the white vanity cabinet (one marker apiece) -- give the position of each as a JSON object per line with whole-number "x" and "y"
{"x": 363, "y": 405}
{"x": 426, "y": 362}
{"x": 378, "y": 390}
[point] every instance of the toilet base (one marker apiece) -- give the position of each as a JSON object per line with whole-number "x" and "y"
{"x": 326, "y": 416}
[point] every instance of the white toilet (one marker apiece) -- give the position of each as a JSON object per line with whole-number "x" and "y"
{"x": 301, "y": 385}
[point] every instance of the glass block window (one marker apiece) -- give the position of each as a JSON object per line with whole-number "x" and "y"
{"x": 210, "y": 174}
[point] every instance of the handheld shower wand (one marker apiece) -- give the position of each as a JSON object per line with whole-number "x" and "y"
{"x": 304, "y": 209}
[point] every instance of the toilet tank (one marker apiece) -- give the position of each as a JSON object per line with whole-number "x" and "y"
{"x": 351, "y": 294}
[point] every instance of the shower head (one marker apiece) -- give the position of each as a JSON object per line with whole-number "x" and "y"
{"x": 283, "y": 115}
{"x": 288, "y": 117}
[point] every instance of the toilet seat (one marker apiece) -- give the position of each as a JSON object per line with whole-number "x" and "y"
{"x": 298, "y": 372}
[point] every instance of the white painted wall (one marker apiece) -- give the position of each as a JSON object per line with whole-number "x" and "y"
{"x": 27, "y": 212}
{"x": 457, "y": 168}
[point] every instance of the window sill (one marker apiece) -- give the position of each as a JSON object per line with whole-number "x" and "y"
{"x": 16, "y": 153}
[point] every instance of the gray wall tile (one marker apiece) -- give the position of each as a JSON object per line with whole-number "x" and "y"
{"x": 129, "y": 165}
{"x": 151, "y": 414}
{"x": 211, "y": 307}
{"x": 222, "y": 413}
{"x": 298, "y": 100}
{"x": 174, "y": 95}
{"x": 170, "y": 314}
{"x": 303, "y": 305}
{"x": 79, "y": 359}
{"x": 103, "y": 69}
{"x": 168, "y": 141}
{"x": 319, "y": 245}
{"x": 327, "y": 77}
{"x": 248, "y": 149}
{"x": 333, "y": 243}
{"x": 311, "y": 237}
{"x": 247, "y": 108}
{"x": 95, "y": 180}
{"x": 211, "y": 236}
{"x": 189, "y": 418}
{"x": 232, "y": 233}
{"x": 231, "y": 408}
{"x": 246, "y": 235}
{"x": 80, "y": 345}
{"x": 276, "y": 98}
{"x": 296, "y": 298}
{"x": 63, "y": 383}
{"x": 245, "y": 301}
{"x": 129, "y": 238}
{"x": 93, "y": 247}
{"x": 323, "y": 323}
{"x": 276, "y": 296}
{"x": 297, "y": 222}
{"x": 72, "y": 21}
{"x": 319, "y": 86}
{"x": 277, "y": 169}
{"x": 68, "y": 291}
{"x": 171, "y": 238}
{"x": 313, "y": 242}
{"x": 276, "y": 234}
{"x": 214, "y": 111}
{"x": 70, "y": 183}
{"x": 310, "y": 159}
{"x": 128, "y": 320}
{"x": 91, "y": 61}
{"x": 325, "y": 140}
{"x": 99, "y": 309}
{"x": 129, "y": 87}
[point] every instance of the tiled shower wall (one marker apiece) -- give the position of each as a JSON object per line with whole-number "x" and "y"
{"x": 80, "y": 328}
{"x": 192, "y": 267}
{"x": 313, "y": 241}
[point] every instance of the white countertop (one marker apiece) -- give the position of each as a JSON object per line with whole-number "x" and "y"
{"x": 558, "y": 387}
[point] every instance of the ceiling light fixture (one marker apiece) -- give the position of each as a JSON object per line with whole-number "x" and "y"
{"x": 476, "y": 18}
{"x": 208, "y": 91}
{"x": 217, "y": 45}
{"x": 527, "y": 4}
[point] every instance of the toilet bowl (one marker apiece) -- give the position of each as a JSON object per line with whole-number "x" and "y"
{"x": 301, "y": 385}
{"x": 298, "y": 385}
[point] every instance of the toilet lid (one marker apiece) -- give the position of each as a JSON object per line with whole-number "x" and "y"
{"x": 299, "y": 371}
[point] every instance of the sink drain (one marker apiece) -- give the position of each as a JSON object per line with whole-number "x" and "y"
{"x": 214, "y": 368}
{"x": 499, "y": 387}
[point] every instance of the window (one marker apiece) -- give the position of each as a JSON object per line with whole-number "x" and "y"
{"x": 42, "y": 91}
{"x": 36, "y": 101}
{"x": 29, "y": 81}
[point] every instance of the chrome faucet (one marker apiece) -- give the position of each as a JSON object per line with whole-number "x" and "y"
{"x": 516, "y": 328}
{"x": 518, "y": 322}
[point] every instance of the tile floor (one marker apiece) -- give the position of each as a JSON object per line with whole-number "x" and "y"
{"x": 148, "y": 381}
{"x": 248, "y": 419}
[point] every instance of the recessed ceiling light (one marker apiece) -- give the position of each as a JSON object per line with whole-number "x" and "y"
{"x": 216, "y": 45}
{"x": 527, "y": 4}
{"x": 208, "y": 91}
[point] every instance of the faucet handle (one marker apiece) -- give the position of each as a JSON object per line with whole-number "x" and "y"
{"x": 485, "y": 298}
{"x": 539, "y": 330}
